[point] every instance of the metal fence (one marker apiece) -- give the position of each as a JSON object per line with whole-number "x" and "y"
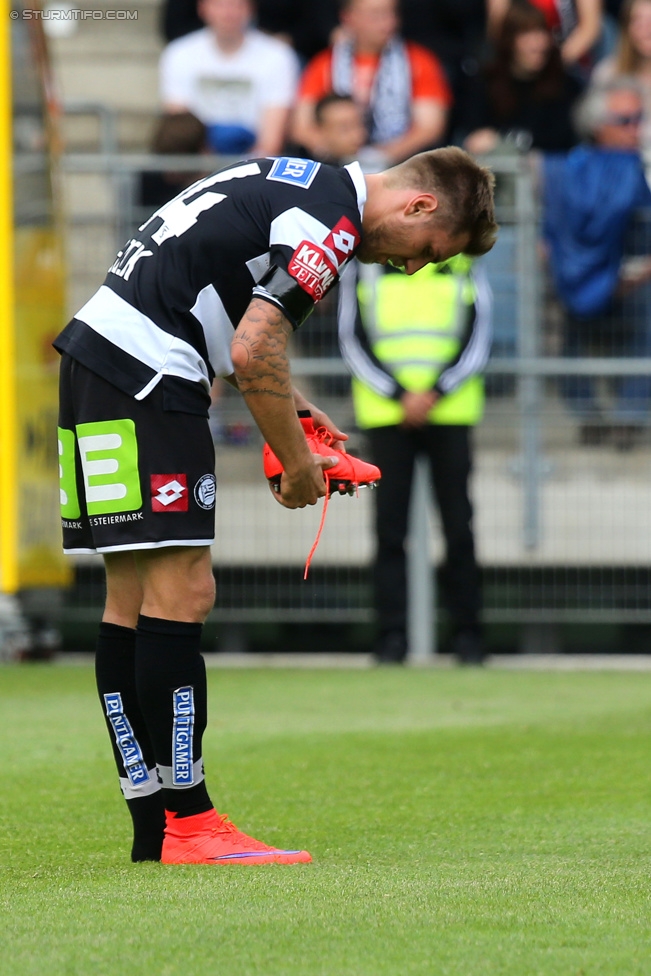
{"x": 561, "y": 494}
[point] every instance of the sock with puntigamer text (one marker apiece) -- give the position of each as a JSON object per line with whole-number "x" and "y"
{"x": 115, "y": 674}
{"x": 171, "y": 682}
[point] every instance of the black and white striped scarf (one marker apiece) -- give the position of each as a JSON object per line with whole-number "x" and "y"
{"x": 389, "y": 113}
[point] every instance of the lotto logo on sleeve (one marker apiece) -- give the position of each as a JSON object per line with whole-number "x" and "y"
{"x": 312, "y": 269}
{"x": 169, "y": 493}
{"x": 296, "y": 172}
{"x": 343, "y": 239}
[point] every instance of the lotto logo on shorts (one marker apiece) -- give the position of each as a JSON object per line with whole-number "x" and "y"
{"x": 297, "y": 172}
{"x": 343, "y": 239}
{"x": 312, "y": 269}
{"x": 182, "y": 763}
{"x": 169, "y": 493}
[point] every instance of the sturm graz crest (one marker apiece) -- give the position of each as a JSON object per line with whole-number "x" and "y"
{"x": 204, "y": 491}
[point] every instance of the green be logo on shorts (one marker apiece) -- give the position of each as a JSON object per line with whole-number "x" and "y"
{"x": 109, "y": 460}
{"x": 67, "y": 475}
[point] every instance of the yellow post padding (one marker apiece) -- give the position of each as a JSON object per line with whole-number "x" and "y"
{"x": 8, "y": 473}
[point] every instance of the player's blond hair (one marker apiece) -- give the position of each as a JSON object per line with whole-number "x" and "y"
{"x": 464, "y": 190}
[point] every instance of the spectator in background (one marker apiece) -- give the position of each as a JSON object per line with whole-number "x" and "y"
{"x": 236, "y": 80}
{"x": 590, "y": 198}
{"x": 181, "y": 134}
{"x": 342, "y": 132}
{"x": 632, "y": 58}
{"x": 401, "y": 86}
{"x": 525, "y": 94}
{"x": 576, "y": 24}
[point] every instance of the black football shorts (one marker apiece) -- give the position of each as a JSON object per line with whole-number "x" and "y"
{"x": 132, "y": 474}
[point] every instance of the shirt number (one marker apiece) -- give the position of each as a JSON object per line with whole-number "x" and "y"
{"x": 181, "y": 213}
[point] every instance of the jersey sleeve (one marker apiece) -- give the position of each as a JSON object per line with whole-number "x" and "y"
{"x": 312, "y": 236}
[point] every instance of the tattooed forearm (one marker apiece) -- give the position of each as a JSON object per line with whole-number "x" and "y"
{"x": 273, "y": 393}
{"x": 259, "y": 351}
{"x": 260, "y": 363}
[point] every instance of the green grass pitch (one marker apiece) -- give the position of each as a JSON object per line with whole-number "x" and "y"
{"x": 462, "y": 822}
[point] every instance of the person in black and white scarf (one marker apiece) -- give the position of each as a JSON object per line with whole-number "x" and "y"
{"x": 400, "y": 85}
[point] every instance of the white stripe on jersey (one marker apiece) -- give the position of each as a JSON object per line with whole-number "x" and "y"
{"x": 294, "y": 226}
{"x": 354, "y": 170}
{"x": 259, "y": 266}
{"x": 217, "y": 329}
{"x": 123, "y": 325}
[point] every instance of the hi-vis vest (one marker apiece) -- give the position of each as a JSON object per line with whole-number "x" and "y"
{"x": 415, "y": 325}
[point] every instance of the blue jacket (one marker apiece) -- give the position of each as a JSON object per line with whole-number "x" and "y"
{"x": 589, "y": 196}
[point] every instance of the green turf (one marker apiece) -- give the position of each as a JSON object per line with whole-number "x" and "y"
{"x": 462, "y": 822}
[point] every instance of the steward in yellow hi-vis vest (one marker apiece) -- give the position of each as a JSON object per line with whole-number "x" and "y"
{"x": 428, "y": 331}
{"x": 416, "y": 346}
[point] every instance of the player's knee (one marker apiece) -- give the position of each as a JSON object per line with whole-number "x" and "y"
{"x": 199, "y": 590}
{"x": 204, "y": 595}
{"x": 178, "y": 585}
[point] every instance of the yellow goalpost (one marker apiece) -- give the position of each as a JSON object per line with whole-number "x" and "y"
{"x": 32, "y": 310}
{"x": 8, "y": 446}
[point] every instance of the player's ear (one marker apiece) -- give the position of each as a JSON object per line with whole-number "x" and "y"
{"x": 422, "y": 204}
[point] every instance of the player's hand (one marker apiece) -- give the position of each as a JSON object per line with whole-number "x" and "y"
{"x": 306, "y": 485}
{"x": 416, "y": 407}
{"x": 321, "y": 419}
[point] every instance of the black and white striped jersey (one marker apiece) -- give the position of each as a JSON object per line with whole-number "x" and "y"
{"x": 279, "y": 228}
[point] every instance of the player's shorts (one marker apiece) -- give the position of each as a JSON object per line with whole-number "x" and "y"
{"x": 132, "y": 474}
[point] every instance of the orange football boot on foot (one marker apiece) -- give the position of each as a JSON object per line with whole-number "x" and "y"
{"x": 345, "y": 477}
{"x": 210, "y": 838}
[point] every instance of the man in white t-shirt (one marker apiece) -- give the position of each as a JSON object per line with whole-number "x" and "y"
{"x": 239, "y": 82}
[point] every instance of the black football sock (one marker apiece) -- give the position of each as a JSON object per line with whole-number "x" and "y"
{"x": 171, "y": 682}
{"x": 115, "y": 671}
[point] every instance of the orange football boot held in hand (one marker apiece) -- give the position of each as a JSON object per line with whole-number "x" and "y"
{"x": 345, "y": 477}
{"x": 210, "y": 838}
